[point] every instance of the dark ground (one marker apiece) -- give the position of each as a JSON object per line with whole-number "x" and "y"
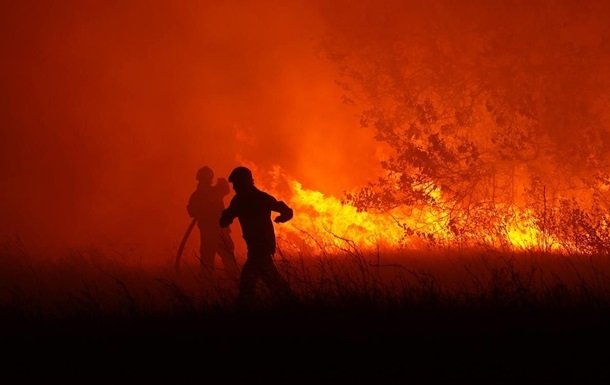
{"x": 288, "y": 345}
{"x": 92, "y": 321}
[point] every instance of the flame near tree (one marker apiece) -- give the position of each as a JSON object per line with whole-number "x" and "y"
{"x": 498, "y": 133}
{"x": 494, "y": 116}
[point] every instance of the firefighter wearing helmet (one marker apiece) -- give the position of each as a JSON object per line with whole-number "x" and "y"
{"x": 205, "y": 206}
{"x": 253, "y": 209}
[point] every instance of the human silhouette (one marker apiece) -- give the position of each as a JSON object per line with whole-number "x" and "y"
{"x": 205, "y": 205}
{"x": 253, "y": 208}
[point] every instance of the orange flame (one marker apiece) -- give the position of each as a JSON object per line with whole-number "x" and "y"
{"x": 324, "y": 223}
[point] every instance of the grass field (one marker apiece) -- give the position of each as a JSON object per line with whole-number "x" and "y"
{"x": 412, "y": 317}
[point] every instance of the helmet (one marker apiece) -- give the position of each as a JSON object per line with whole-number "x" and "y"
{"x": 223, "y": 186}
{"x": 205, "y": 173}
{"x": 241, "y": 174}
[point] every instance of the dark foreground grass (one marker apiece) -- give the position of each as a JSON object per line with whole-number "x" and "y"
{"x": 356, "y": 319}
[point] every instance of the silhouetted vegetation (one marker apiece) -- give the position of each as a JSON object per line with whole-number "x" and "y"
{"x": 451, "y": 316}
{"x": 492, "y": 115}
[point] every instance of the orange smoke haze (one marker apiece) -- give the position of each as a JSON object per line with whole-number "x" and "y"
{"x": 109, "y": 108}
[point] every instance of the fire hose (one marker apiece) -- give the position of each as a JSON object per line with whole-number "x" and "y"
{"x": 183, "y": 243}
{"x": 185, "y": 239}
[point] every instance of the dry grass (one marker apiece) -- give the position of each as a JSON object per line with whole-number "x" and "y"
{"x": 477, "y": 316}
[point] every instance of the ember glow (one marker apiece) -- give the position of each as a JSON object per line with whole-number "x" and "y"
{"x": 325, "y": 224}
{"x": 392, "y": 124}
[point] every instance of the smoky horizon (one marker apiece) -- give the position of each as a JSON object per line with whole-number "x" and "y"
{"x": 450, "y": 119}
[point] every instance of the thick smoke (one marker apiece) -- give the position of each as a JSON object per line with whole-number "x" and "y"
{"x": 109, "y": 108}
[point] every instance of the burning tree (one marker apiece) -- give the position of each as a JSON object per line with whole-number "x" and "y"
{"x": 494, "y": 114}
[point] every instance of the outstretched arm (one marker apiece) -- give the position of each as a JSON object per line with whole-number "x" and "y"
{"x": 227, "y": 216}
{"x": 286, "y": 212}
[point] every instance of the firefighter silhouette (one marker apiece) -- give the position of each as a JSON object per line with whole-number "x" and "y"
{"x": 253, "y": 208}
{"x": 205, "y": 206}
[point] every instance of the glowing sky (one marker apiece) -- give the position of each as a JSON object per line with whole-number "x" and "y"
{"x": 110, "y": 107}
